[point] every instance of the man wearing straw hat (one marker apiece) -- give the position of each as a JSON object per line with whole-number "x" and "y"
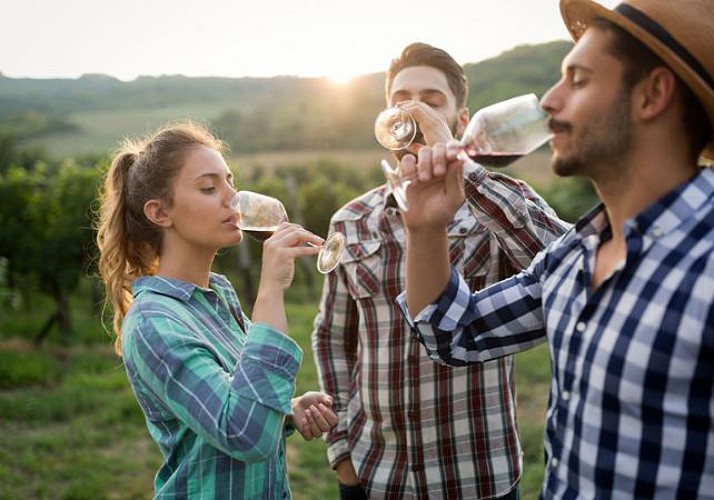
{"x": 625, "y": 299}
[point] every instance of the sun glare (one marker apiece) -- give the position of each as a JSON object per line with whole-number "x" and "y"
{"x": 341, "y": 77}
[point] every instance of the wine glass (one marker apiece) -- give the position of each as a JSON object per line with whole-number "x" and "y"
{"x": 260, "y": 216}
{"x": 496, "y": 136}
{"x": 395, "y": 128}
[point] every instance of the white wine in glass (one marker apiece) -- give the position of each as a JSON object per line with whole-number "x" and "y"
{"x": 260, "y": 216}
{"x": 496, "y": 136}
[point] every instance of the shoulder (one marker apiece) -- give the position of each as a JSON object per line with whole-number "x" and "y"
{"x": 362, "y": 206}
{"x": 156, "y": 313}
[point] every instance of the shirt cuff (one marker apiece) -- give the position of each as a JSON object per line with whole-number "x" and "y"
{"x": 496, "y": 201}
{"x": 338, "y": 450}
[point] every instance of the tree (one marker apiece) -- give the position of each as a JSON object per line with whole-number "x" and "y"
{"x": 47, "y": 233}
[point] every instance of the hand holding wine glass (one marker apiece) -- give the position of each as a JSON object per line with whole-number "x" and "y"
{"x": 496, "y": 136}
{"x": 261, "y": 215}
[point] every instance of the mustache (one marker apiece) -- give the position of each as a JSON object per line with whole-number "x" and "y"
{"x": 558, "y": 126}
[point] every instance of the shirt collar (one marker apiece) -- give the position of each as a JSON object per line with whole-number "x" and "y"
{"x": 178, "y": 289}
{"x": 679, "y": 205}
{"x": 663, "y": 216}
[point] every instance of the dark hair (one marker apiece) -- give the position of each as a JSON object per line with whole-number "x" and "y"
{"x": 639, "y": 61}
{"x": 422, "y": 54}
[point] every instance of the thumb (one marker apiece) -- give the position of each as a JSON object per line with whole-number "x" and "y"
{"x": 455, "y": 181}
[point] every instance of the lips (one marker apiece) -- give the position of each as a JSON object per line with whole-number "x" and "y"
{"x": 557, "y": 127}
{"x": 232, "y": 220}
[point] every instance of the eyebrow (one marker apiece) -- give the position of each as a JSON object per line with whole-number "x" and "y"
{"x": 214, "y": 175}
{"x": 577, "y": 67}
{"x": 422, "y": 93}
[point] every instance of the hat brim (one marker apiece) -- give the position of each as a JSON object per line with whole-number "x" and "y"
{"x": 578, "y": 14}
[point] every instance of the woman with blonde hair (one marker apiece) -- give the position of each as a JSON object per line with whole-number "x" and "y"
{"x": 216, "y": 387}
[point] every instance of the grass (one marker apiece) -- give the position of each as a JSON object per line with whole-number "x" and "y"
{"x": 72, "y": 429}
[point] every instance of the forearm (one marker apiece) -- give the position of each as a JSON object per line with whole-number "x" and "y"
{"x": 346, "y": 473}
{"x": 269, "y": 308}
{"x": 521, "y": 221}
{"x": 428, "y": 267}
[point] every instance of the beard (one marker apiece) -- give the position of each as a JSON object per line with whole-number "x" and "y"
{"x": 599, "y": 145}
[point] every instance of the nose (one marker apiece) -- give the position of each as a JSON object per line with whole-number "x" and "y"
{"x": 233, "y": 203}
{"x": 550, "y": 101}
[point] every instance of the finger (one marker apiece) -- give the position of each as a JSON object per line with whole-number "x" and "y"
{"x": 320, "y": 418}
{"x": 438, "y": 156}
{"x": 311, "y": 413}
{"x": 455, "y": 180}
{"x": 329, "y": 415}
{"x": 294, "y": 234}
{"x": 425, "y": 165}
{"x": 303, "y": 427}
{"x": 408, "y": 169}
{"x": 453, "y": 150}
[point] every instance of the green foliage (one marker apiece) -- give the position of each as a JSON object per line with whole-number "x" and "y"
{"x": 570, "y": 197}
{"x": 20, "y": 369}
{"x": 32, "y": 124}
{"x": 9, "y": 299}
{"x": 524, "y": 69}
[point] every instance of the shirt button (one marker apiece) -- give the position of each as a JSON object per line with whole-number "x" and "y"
{"x": 391, "y": 211}
{"x": 554, "y": 462}
{"x": 565, "y": 395}
{"x": 657, "y": 232}
{"x": 463, "y": 230}
{"x": 580, "y": 327}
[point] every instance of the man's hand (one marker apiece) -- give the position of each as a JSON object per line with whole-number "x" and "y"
{"x": 437, "y": 189}
{"x": 432, "y": 125}
{"x": 313, "y": 415}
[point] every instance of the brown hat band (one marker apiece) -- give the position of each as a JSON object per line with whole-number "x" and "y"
{"x": 656, "y": 30}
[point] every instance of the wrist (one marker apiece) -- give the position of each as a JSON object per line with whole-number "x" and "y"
{"x": 428, "y": 235}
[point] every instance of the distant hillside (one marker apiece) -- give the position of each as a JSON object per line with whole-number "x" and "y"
{"x": 90, "y": 114}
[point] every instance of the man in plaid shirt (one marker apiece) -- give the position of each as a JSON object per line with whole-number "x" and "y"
{"x": 625, "y": 300}
{"x": 409, "y": 428}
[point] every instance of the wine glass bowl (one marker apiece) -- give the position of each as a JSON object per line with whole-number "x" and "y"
{"x": 260, "y": 216}
{"x": 501, "y": 133}
{"x": 496, "y": 136}
{"x": 395, "y": 129}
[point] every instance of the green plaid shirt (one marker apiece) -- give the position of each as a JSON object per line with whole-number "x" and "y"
{"x": 214, "y": 388}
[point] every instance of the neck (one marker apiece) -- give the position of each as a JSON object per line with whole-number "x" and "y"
{"x": 191, "y": 266}
{"x": 628, "y": 189}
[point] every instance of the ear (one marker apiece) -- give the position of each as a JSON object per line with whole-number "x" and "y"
{"x": 157, "y": 213}
{"x": 462, "y": 122}
{"x": 656, "y": 94}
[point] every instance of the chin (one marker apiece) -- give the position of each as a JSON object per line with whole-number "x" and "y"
{"x": 564, "y": 166}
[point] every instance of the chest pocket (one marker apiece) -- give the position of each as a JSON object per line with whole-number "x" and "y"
{"x": 470, "y": 248}
{"x": 362, "y": 265}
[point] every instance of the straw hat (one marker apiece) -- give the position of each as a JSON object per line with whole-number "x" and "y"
{"x": 680, "y": 32}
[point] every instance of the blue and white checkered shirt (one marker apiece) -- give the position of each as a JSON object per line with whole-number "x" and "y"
{"x": 631, "y": 408}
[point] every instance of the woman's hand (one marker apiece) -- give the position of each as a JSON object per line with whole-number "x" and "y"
{"x": 278, "y": 269}
{"x": 313, "y": 414}
{"x": 280, "y": 251}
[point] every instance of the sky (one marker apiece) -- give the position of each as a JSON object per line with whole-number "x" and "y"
{"x": 337, "y": 39}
